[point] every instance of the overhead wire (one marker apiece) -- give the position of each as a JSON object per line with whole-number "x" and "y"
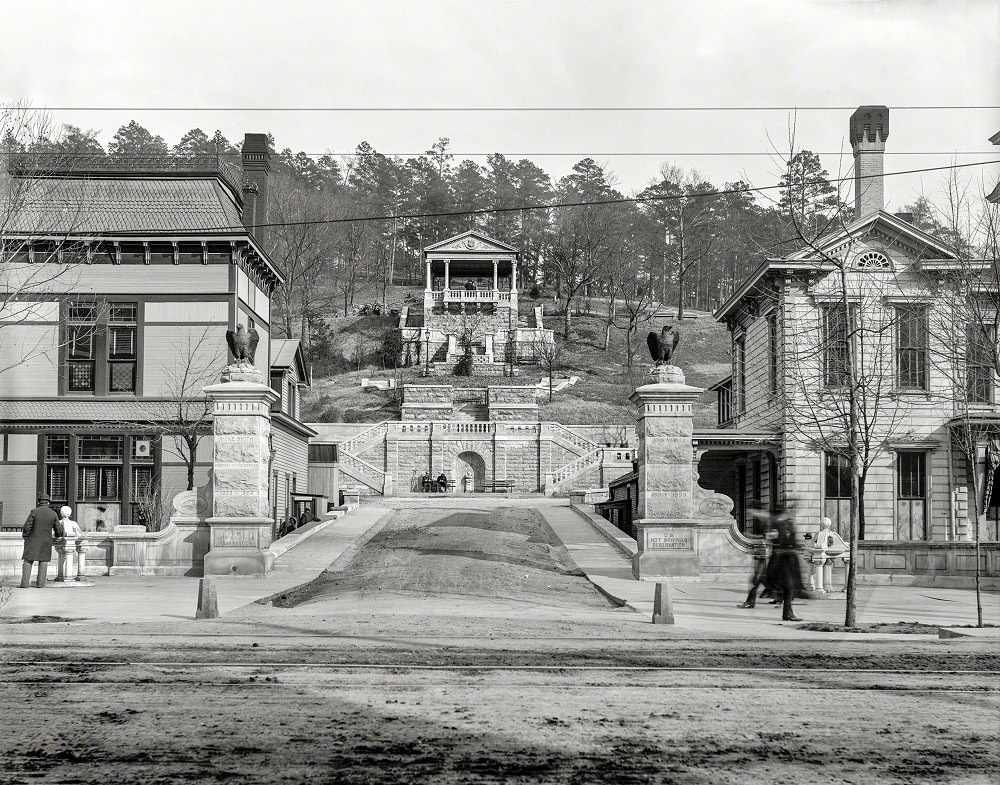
{"x": 591, "y": 203}
{"x": 773, "y": 108}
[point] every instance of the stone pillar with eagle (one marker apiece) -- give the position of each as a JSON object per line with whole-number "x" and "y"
{"x": 683, "y": 531}
{"x": 241, "y": 526}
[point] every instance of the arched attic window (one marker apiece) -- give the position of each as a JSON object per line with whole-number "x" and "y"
{"x": 872, "y": 260}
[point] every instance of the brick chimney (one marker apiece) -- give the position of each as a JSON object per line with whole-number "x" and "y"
{"x": 869, "y": 130}
{"x": 256, "y": 165}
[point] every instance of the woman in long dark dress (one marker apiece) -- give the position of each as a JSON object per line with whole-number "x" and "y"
{"x": 784, "y": 573}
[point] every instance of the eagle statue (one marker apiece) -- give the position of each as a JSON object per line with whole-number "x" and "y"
{"x": 663, "y": 344}
{"x": 243, "y": 344}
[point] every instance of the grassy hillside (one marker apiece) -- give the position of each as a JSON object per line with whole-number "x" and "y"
{"x": 600, "y": 396}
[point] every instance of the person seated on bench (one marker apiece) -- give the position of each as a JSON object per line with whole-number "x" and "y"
{"x": 442, "y": 482}
{"x": 425, "y": 482}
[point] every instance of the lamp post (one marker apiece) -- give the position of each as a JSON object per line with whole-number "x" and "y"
{"x": 427, "y": 352}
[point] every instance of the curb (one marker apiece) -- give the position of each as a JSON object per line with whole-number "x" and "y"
{"x": 612, "y": 534}
{"x": 338, "y": 564}
{"x": 289, "y": 541}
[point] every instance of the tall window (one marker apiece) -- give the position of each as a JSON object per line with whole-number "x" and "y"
{"x": 101, "y": 347}
{"x": 911, "y": 347}
{"x": 835, "y": 346}
{"x": 740, "y": 347}
{"x": 121, "y": 346}
{"x": 911, "y": 495}
{"x": 772, "y": 350}
{"x": 979, "y": 362}
{"x": 81, "y": 346}
{"x": 837, "y": 490}
{"x": 57, "y": 468}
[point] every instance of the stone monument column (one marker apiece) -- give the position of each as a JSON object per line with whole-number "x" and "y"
{"x": 665, "y": 528}
{"x": 240, "y": 523}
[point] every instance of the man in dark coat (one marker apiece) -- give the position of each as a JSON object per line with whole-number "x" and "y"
{"x": 39, "y": 529}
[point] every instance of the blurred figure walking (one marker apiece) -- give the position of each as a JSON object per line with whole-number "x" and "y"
{"x": 784, "y": 573}
{"x": 760, "y": 554}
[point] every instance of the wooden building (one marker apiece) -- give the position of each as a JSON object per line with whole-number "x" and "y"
{"x": 120, "y": 286}
{"x": 899, "y": 297}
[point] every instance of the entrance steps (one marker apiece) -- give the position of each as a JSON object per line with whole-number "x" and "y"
{"x": 470, "y": 412}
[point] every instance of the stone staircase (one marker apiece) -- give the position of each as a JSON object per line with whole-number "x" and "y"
{"x": 469, "y": 411}
{"x": 360, "y": 470}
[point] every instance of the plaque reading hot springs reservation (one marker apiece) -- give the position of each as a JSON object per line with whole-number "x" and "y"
{"x": 669, "y": 541}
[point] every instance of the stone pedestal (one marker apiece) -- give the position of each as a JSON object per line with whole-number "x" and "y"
{"x": 665, "y": 525}
{"x": 240, "y": 523}
{"x": 66, "y": 548}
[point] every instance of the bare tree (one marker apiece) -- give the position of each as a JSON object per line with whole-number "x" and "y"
{"x": 548, "y": 354}
{"x": 186, "y": 417}
{"x": 151, "y": 506}
{"x": 637, "y": 298}
{"x": 39, "y": 259}
{"x": 839, "y": 376}
{"x": 966, "y": 343}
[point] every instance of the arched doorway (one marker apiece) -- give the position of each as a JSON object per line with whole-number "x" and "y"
{"x": 470, "y": 464}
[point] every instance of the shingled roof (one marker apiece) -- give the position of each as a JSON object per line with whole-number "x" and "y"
{"x": 84, "y": 205}
{"x": 83, "y": 411}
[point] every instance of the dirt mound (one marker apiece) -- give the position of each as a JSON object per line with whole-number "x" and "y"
{"x": 508, "y": 553}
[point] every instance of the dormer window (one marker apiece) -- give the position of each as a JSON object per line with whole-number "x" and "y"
{"x": 873, "y": 260}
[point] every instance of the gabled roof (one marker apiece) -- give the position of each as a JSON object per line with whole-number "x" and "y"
{"x": 470, "y": 241}
{"x": 144, "y": 204}
{"x": 288, "y": 351}
{"x": 927, "y": 248}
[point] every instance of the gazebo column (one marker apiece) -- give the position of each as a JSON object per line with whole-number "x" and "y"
{"x": 513, "y": 285}
{"x": 428, "y": 292}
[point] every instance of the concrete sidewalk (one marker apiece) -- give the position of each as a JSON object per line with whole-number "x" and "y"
{"x": 713, "y": 607}
{"x": 701, "y": 607}
{"x": 159, "y": 598}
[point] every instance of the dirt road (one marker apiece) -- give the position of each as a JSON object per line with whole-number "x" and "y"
{"x": 460, "y": 647}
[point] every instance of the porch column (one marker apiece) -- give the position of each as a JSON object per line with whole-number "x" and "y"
{"x": 513, "y": 286}
{"x": 447, "y": 274}
{"x": 428, "y": 287}
{"x": 496, "y": 282}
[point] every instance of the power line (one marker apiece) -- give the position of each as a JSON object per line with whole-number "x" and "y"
{"x": 909, "y": 108}
{"x": 557, "y": 205}
{"x": 651, "y": 154}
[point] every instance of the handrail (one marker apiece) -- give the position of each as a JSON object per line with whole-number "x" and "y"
{"x": 360, "y": 439}
{"x": 365, "y": 470}
{"x": 575, "y": 439}
{"x": 574, "y": 468}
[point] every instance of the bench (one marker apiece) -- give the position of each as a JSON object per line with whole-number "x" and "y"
{"x": 498, "y": 486}
{"x": 432, "y": 486}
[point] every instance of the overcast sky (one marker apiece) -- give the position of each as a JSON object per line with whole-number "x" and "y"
{"x": 397, "y": 54}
